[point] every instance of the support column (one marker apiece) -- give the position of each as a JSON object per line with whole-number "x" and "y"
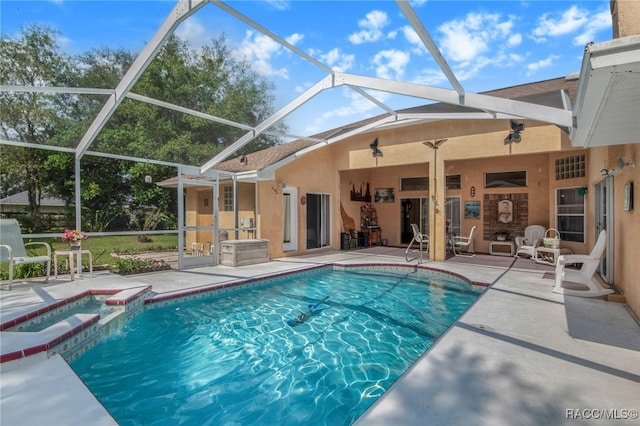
{"x": 437, "y": 228}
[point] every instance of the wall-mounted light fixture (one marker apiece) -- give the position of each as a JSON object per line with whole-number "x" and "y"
{"x": 622, "y": 164}
{"x": 472, "y": 191}
{"x": 281, "y": 185}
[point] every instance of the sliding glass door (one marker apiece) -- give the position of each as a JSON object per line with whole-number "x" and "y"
{"x": 318, "y": 220}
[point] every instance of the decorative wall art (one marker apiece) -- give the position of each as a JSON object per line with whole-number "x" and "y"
{"x": 505, "y": 211}
{"x": 472, "y": 209}
{"x": 384, "y": 195}
{"x": 362, "y": 194}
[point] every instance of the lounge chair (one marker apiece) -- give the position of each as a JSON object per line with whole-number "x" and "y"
{"x": 13, "y": 248}
{"x": 466, "y": 242}
{"x": 419, "y": 238}
{"x": 582, "y": 282}
{"x": 533, "y": 235}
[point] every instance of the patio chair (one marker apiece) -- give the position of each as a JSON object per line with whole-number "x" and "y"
{"x": 582, "y": 282}
{"x": 533, "y": 235}
{"x": 466, "y": 242}
{"x": 13, "y": 248}
{"x": 419, "y": 238}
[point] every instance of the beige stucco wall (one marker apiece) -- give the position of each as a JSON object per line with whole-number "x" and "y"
{"x": 199, "y": 211}
{"x": 626, "y": 268}
{"x": 311, "y": 173}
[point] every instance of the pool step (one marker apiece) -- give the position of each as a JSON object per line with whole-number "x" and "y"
{"x": 75, "y": 334}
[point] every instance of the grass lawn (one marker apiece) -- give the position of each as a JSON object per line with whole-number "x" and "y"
{"x": 102, "y": 247}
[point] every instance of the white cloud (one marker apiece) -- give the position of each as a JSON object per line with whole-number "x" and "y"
{"x": 295, "y": 38}
{"x": 279, "y": 4}
{"x": 370, "y": 27}
{"x": 357, "y": 104}
{"x": 430, "y": 77}
{"x": 260, "y": 50}
{"x": 515, "y": 40}
{"x": 553, "y": 25}
{"x": 412, "y": 37}
{"x": 533, "y": 67}
{"x": 338, "y": 61}
{"x": 391, "y": 63}
{"x": 600, "y": 21}
{"x": 465, "y": 40}
{"x": 193, "y": 32}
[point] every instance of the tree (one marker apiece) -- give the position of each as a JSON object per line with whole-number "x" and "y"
{"x": 34, "y": 59}
{"x": 209, "y": 80}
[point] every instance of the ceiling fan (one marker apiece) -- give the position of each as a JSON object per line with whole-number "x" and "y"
{"x": 374, "y": 147}
{"x": 514, "y": 133}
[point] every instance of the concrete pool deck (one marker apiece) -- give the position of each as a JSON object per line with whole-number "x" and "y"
{"x": 520, "y": 355}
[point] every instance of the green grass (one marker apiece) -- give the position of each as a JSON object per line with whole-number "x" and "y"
{"x": 102, "y": 247}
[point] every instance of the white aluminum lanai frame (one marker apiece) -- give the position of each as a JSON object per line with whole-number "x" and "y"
{"x": 490, "y": 107}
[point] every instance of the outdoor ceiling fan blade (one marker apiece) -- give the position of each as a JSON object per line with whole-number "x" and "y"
{"x": 517, "y": 127}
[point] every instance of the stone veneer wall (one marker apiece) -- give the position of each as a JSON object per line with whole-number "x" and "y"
{"x": 520, "y": 215}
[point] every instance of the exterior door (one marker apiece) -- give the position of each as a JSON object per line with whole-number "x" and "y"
{"x": 200, "y": 243}
{"x": 604, "y": 220}
{"x": 289, "y": 219}
{"x": 318, "y": 220}
{"x": 413, "y": 210}
{"x": 452, "y": 214}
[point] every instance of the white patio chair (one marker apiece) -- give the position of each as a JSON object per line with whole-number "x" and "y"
{"x": 464, "y": 242}
{"x": 533, "y": 235}
{"x": 421, "y": 239}
{"x": 13, "y": 248}
{"x": 582, "y": 282}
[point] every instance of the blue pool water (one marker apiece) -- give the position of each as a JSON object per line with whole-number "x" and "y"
{"x": 233, "y": 359}
{"x": 89, "y": 305}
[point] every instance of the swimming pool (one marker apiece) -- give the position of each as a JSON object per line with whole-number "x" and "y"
{"x": 237, "y": 358}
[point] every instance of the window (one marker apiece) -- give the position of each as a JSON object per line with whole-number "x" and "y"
{"x": 453, "y": 182}
{"x": 570, "y": 214}
{"x": 227, "y": 202}
{"x": 505, "y": 179}
{"x": 570, "y": 167}
{"x": 414, "y": 184}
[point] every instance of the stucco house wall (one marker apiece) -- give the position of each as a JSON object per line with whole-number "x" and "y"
{"x": 626, "y": 268}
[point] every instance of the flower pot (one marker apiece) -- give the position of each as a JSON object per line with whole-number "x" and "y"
{"x": 75, "y": 245}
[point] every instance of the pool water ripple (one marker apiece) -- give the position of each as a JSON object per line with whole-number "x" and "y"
{"x": 233, "y": 359}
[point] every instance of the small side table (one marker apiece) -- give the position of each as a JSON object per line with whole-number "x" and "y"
{"x": 70, "y": 254}
{"x": 549, "y": 256}
{"x": 375, "y": 235}
{"x": 510, "y": 245}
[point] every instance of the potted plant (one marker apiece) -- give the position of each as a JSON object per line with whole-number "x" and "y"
{"x": 74, "y": 237}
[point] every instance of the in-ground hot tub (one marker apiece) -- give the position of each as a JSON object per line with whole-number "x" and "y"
{"x": 244, "y": 252}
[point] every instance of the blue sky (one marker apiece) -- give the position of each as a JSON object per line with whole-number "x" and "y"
{"x": 488, "y": 44}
